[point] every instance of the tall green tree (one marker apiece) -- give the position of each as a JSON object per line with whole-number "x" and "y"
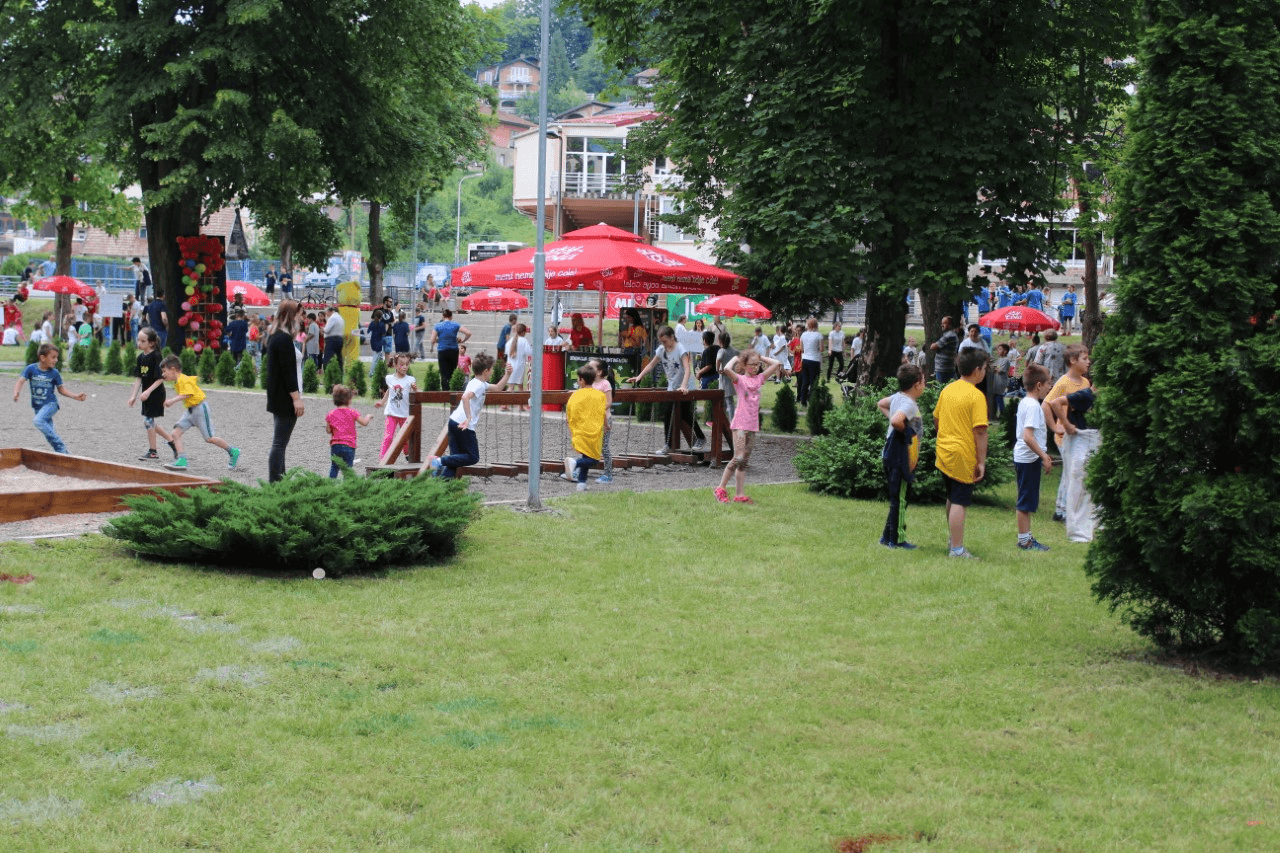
{"x": 851, "y": 148}
{"x": 1189, "y": 364}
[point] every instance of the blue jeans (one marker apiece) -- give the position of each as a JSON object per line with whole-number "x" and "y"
{"x": 464, "y": 450}
{"x": 583, "y": 464}
{"x": 44, "y": 422}
{"x": 340, "y": 452}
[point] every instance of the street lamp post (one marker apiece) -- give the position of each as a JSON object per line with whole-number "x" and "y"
{"x": 457, "y": 241}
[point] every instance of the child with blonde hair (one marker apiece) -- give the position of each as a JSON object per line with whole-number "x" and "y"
{"x": 395, "y": 399}
{"x": 341, "y": 426}
{"x": 746, "y": 418}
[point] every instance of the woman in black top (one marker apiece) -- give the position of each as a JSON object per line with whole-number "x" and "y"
{"x": 284, "y": 382}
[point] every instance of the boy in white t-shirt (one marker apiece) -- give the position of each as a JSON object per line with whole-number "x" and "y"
{"x": 464, "y": 447}
{"x": 1029, "y": 454}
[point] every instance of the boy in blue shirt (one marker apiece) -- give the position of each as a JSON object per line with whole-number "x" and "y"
{"x": 45, "y": 380}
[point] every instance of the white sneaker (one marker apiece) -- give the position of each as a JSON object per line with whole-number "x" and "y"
{"x": 699, "y": 446}
{"x": 582, "y": 487}
{"x": 666, "y": 450}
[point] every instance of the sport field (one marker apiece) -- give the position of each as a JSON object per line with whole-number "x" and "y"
{"x": 624, "y": 672}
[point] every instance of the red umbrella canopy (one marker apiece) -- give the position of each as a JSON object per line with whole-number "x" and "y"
{"x": 1018, "y": 318}
{"x": 65, "y": 284}
{"x": 494, "y": 299}
{"x": 253, "y": 295}
{"x": 606, "y": 259}
{"x": 734, "y": 306}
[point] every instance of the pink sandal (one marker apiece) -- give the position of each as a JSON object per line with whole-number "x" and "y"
{"x": 721, "y": 495}
{"x": 743, "y": 499}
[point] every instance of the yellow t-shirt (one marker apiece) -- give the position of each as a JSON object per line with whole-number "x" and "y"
{"x": 586, "y": 411}
{"x": 960, "y": 408}
{"x": 188, "y": 385}
{"x": 1062, "y": 388}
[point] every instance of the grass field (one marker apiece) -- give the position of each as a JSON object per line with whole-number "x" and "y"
{"x": 623, "y": 672}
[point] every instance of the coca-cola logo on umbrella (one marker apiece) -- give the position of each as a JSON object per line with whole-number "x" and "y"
{"x": 564, "y": 253}
{"x": 659, "y": 258}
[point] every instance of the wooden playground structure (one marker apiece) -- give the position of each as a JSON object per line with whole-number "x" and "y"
{"x": 409, "y": 439}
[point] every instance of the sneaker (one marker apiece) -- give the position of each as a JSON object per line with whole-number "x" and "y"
{"x": 563, "y": 476}
{"x": 886, "y": 543}
{"x": 150, "y": 454}
{"x": 179, "y": 464}
{"x": 234, "y": 453}
{"x": 962, "y": 554}
{"x": 699, "y": 446}
{"x": 604, "y": 478}
{"x": 433, "y": 462}
{"x": 1033, "y": 545}
{"x": 721, "y": 495}
{"x": 174, "y": 448}
{"x": 665, "y": 451}
{"x": 582, "y": 487}
{"x": 743, "y": 499}
{"x": 907, "y": 546}
{"x": 1057, "y": 516}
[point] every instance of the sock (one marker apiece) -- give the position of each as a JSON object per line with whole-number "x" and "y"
{"x": 1024, "y": 538}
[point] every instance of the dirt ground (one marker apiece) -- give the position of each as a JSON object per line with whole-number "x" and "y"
{"x": 104, "y": 427}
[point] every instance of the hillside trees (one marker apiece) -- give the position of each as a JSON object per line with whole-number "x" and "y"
{"x": 1189, "y": 366}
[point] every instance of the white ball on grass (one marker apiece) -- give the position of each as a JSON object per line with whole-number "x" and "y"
{"x": 318, "y": 574}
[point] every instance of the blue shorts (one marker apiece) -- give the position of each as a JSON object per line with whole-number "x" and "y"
{"x": 958, "y": 493}
{"x": 1028, "y": 485}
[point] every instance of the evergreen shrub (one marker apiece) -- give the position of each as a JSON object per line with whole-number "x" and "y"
{"x": 32, "y": 348}
{"x": 226, "y": 370}
{"x": 430, "y": 381}
{"x": 129, "y": 358}
{"x": 245, "y": 376}
{"x": 190, "y": 364}
{"x": 79, "y": 357}
{"x": 458, "y": 381}
{"x": 846, "y": 461}
{"x": 208, "y": 366}
{"x": 93, "y": 358}
{"x": 378, "y": 383}
{"x": 819, "y": 405}
{"x": 785, "y": 417}
{"x": 262, "y": 371}
{"x": 332, "y": 374}
{"x": 115, "y": 361}
{"x": 1188, "y": 368}
{"x": 311, "y": 376}
{"x": 357, "y": 379}
{"x": 349, "y": 524}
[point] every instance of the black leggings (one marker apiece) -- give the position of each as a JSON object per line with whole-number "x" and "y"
{"x": 447, "y": 359}
{"x": 686, "y": 414}
{"x": 279, "y": 442}
{"x": 831, "y": 360}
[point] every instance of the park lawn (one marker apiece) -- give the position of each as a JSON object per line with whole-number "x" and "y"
{"x": 624, "y": 672}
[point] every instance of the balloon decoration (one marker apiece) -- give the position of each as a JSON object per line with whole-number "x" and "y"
{"x": 201, "y": 261}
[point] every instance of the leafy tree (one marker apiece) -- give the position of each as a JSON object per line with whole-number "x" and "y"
{"x": 869, "y": 147}
{"x": 1189, "y": 370}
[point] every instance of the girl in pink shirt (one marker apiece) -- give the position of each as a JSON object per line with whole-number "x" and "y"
{"x": 341, "y": 424}
{"x": 746, "y": 418}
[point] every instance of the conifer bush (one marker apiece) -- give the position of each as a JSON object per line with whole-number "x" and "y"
{"x": 32, "y": 348}
{"x": 332, "y": 374}
{"x": 129, "y": 358}
{"x": 115, "y": 361}
{"x": 311, "y": 376}
{"x": 190, "y": 364}
{"x": 79, "y": 356}
{"x": 351, "y": 523}
{"x": 819, "y": 404}
{"x": 357, "y": 379}
{"x": 93, "y": 358}
{"x": 245, "y": 376}
{"x": 458, "y": 381}
{"x": 1188, "y": 366}
{"x": 226, "y": 370}
{"x": 785, "y": 417}
{"x": 208, "y": 366}
{"x": 846, "y": 461}
{"x": 262, "y": 371}
{"x": 430, "y": 381}
{"x": 377, "y": 382}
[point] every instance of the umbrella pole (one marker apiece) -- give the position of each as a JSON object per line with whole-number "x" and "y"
{"x": 600, "y": 321}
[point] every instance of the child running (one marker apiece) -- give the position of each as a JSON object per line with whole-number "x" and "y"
{"x": 746, "y": 419}
{"x": 395, "y": 400}
{"x": 197, "y": 414}
{"x": 464, "y": 447}
{"x": 587, "y": 414}
{"x": 1029, "y": 454}
{"x": 341, "y": 425}
{"x": 901, "y": 451}
{"x": 148, "y": 385}
{"x": 45, "y": 379}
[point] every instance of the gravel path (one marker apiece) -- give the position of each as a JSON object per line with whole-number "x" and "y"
{"x": 104, "y": 427}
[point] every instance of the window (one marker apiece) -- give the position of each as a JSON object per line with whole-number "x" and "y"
{"x": 668, "y": 233}
{"x": 142, "y": 233}
{"x": 82, "y": 234}
{"x": 518, "y": 74}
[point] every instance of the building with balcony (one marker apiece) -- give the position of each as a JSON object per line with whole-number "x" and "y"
{"x": 514, "y": 79}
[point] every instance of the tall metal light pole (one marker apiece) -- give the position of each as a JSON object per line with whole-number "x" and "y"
{"x": 457, "y": 241}
{"x": 539, "y": 270}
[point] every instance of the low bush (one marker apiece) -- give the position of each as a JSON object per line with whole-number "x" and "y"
{"x": 190, "y": 363}
{"x": 32, "y": 348}
{"x": 819, "y": 404}
{"x": 93, "y": 358}
{"x": 378, "y": 381}
{"x": 115, "y": 361}
{"x": 262, "y": 371}
{"x": 332, "y": 374}
{"x": 846, "y": 461}
{"x": 458, "y": 381}
{"x": 301, "y": 522}
{"x": 208, "y": 366}
{"x": 79, "y": 358}
{"x": 357, "y": 379}
{"x": 245, "y": 376}
{"x": 130, "y": 358}
{"x": 311, "y": 376}
{"x": 430, "y": 381}
{"x": 785, "y": 417}
{"x": 226, "y": 370}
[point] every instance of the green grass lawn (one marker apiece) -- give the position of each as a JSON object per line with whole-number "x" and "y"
{"x": 624, "y": 672}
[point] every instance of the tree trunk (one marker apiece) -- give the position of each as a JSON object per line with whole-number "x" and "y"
{"x": 377, "y": 258}
{"x": 934, "y": 306}
{"x": 886, "y": 330}
{"x": 1091, "y": 314}
{"x": 66, "y": 230}
{"x": 286, "y": 248}
{"x": 165, "y": 224}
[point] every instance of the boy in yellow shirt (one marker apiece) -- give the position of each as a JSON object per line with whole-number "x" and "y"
{"x": 587, "y": 414}
{"x": 187, "y": 391}
{"x": 960, "y": 421}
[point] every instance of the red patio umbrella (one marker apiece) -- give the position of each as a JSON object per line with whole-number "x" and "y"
{"x": 606, "y": 259}
{"x": 734, "y": 306}
{"x": 65, "y": 284}
{"x": 494, "y": 299}
{"x": 253, "y": 295}
{"x": 1018, "y": 318}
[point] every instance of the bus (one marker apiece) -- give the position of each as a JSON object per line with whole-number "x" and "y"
{"x": 485, "y": 251}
